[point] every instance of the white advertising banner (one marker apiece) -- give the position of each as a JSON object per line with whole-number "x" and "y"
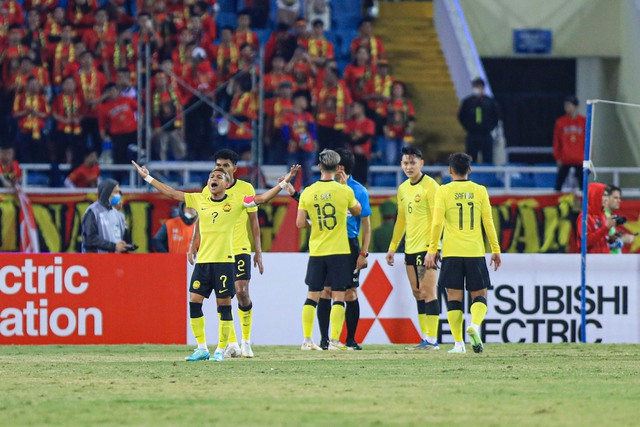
{"x": 535, "y": 298}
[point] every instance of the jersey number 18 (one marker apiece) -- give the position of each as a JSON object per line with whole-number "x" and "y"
{"x": 326, "y": 216}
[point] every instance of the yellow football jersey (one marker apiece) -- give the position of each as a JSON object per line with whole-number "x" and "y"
{"x": 327, "y": 204}
{"x": 241, "y": 242}
{"x": 217, "y": 223}
{"x": 464, "y": 209}
{"x": 415, "y": 209}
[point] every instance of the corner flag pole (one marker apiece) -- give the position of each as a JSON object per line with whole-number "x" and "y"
{"x": 586, "y": 169}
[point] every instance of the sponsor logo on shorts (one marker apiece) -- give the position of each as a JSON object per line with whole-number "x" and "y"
{"x": 196, "y": 284}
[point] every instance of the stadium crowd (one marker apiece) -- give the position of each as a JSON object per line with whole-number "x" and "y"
{"x": 69, "y": 73}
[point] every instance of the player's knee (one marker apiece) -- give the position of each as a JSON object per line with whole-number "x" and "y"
{"x": 225, "y": 312}
{"x": 338, "y": 296}
{"x": 326, "y": 293}
{"x": 193, "y": 297}
{"x": 351, "y": 295}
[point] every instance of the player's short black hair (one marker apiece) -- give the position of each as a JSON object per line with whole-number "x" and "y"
{"x": 347, "y": 160}
{"x": 609, "y": 189}
{"x": 460, "y": 163}
{"x": 227, "y": 155}
{"x": 412, "y": 151}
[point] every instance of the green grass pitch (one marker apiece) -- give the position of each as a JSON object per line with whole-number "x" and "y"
{"x": 510, "y": 385}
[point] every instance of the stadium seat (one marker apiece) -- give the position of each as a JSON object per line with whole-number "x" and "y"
{"x": 227, "y": 6}
{"x": 344, "y": 42}
{"x": 345, "y": 21}
{"x": 263, "y": 35}
{"x": 342, "y": 64}
{"x": 226, "y": 18}
{"x": 488, "y": 179}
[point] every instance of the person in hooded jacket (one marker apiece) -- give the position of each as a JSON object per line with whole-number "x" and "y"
{"x": 104, "y": 226}
{"x": 598, "y": 224}
{"x": 175, "y": 234}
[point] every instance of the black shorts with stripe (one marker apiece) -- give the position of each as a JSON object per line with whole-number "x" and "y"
{"x": 334, "y": 270}
{"x": 215, "y": 277}
{"x": 415, "y": 259}
{"x": 243, "y": 267}
{"x": 456, "y": 272}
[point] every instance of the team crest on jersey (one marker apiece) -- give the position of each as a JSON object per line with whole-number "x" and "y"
{"x": 417, "y": 198}
{"x": 196, "y": 284}
{"x": 227, "y": 207}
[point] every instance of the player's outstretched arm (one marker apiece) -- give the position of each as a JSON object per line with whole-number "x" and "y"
{"x": 273, "y": 192}
{"x": 163, "y": 188}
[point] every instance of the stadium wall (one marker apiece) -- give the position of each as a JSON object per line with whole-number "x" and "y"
{"x": 135, "y": 299}
{"x": 587, "y": 28}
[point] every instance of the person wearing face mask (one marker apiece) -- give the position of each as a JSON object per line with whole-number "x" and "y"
{"x": 479, "y": 115}
{"x": 104, "y": 226}
{"x": 175, "y": 234}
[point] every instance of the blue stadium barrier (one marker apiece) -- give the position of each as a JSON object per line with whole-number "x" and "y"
{"x": 383, "y": 179}
{"x": 521, "y": 179}
{"x": 488, "y": 179}
{"x": 544, "y": 180}
{"x": 345, "y": 21}
{"x": 38, "y": 179}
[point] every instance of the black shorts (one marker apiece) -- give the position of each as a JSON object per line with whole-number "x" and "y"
{"x": 415, "y": 259}
{"x": 243, "y": 267}
{"x": 334, "y": 270}
{"x": 354, "y": 246}
{"x": 213, "y": 276}
{"x": 455, "y": 272}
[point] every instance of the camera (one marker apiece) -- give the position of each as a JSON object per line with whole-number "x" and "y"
{"x": 620, "y": 220}
{"x": 131, "y": 247}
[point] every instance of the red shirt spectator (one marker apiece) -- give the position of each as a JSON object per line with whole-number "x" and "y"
{"x": 89, "y": 84}
{"x": 358, "y": 73}
{"x": 31, "y": 109}
{"x": 61, "y": 53}
{"x": 568, "y": 139}
{"x": 118, "y": 116}
{"x": 399, "y": 114}
{"x": 331, "y": 101}
{"x": 43, "y": 7}
{"x": 377, "y": 91}
{"x": 103, "y": 32}
{"x": 598, "y": 225}
{"x": 80, "y": 13}
{"x": 360, "y": 130}
{"x": 198, "y": 74}
{"x": 367, "y": 40}
{"x": 13, "y": 11}
{"x": 53, "y": 25}
{"x": 86, "y": 175}
{"x": 226, "y": 56}
{"x": 243, "y": 109}
{"x": 35, "y": 36}
{"x": 320, "y": 49}
{"x": 28, "y": 70}
{"x": 68, "y": 108}
{"x": 10, "y": 172}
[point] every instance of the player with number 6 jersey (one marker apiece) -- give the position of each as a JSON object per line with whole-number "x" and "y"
{"x": 415, "y": 210}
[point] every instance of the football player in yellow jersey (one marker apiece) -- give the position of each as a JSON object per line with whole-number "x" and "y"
{"x": 215, "y": 268}
{"x": 228, "y": 160}
{"x": 415, "y": 210}
{"x": 462, "y": 207}
{"x": 323, "y": 206}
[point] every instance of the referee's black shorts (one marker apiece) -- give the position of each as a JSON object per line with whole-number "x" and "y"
{"x": 455, "y": 272}
{"x": 354, "y": 246}
{"x": 334, "y": 270}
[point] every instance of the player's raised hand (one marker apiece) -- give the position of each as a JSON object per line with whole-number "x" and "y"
{"x": 496, "y": 261}
{"x": 341, "y": 177}
{"x": 292, "y": 173}
{"x": 142, "y": 170}
{"x": 390, "y": 257}
{"x": 290, "y": 189}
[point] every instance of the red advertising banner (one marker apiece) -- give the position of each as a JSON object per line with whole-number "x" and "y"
{"x": 92, "y": 299}
{"x": 525, "y": 224}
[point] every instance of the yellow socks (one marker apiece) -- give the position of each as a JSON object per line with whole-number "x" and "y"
{"x": 224, "y": 326}
{"x": 454, "y": 315}
{"x": 308, "y": 316}
{"x": 246, "y": 317}
{"x": 432, "y": 320}
{"x": 196, "y": 320}
{"x": 478, "y": 311}
{"x": 337, "y": 320}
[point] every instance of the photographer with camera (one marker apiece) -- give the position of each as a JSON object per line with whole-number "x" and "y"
{"x": 598, "y": 225}
{"x": 103, "y": 225}
{"x": 617, "y": 239}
